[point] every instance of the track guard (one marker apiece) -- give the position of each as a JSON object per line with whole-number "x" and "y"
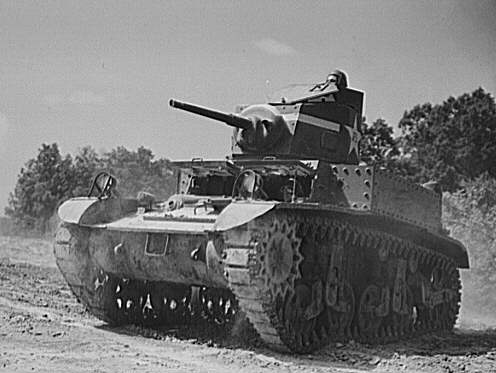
{"x": 91, "y": 211}
{"x": 73, "y": 210}
{"x": 239, "y": 213}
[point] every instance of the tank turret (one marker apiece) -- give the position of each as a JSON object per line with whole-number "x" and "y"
{"x": 313, "y": 121}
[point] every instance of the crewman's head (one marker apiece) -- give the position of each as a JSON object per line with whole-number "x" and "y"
{"x": 338, "y": 78}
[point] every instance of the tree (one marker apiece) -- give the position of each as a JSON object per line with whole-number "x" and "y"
{"x": 50, "y": 178}
{"x": 87, "y": 163}
{"x": 378, "y": 144}
{"x": 138, "y": 171}
{"x": 453, "y": 141}
{"x": 42, "y": 183}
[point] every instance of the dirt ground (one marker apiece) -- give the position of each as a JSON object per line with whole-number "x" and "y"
{"x": 44, "y": 329}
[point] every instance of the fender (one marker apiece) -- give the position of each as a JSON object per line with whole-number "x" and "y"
{"x": 91, "y": 211}
{"x": 241, "y": 212}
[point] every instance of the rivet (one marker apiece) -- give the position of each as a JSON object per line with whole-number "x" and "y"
{"x": 118, "y": 248}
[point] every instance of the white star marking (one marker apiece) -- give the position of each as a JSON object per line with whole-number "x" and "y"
{"x": 355, "y": 137}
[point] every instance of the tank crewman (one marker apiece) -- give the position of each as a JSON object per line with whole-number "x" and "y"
{"x": 337, "y": 78}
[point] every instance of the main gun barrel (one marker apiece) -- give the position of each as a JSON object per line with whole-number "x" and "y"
{"x": 232, "y": 120}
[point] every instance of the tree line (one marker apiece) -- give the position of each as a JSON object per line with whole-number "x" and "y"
{"x": 451, "y": 143}
{"x": 51, "y": 178}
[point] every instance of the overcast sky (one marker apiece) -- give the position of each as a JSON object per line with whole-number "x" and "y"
{"x": 100, "y": 73}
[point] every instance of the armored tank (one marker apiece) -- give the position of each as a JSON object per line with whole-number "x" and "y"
{"x": 290, "y": 231}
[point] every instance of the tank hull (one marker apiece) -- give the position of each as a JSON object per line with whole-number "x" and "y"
{"x": 348, "y": 274}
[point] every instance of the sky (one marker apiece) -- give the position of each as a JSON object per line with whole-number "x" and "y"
{"x": 101, "y": 73}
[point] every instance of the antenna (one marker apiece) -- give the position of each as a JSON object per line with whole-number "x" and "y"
{"x": 267, "y": 90}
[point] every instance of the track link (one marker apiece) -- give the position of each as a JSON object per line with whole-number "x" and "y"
{"x": 305, "y": 280}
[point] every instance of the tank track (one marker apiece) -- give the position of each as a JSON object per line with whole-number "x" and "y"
{"x": 120, "y": 301}
{"x": 305, "y": 280}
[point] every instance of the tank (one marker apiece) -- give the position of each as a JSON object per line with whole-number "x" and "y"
{"x": 291, "y": 231}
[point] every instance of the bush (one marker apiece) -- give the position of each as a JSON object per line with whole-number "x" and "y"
{"x": 42, "y": 182}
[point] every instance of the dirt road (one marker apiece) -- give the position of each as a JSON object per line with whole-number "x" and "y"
{"x": 44, "y": 329}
